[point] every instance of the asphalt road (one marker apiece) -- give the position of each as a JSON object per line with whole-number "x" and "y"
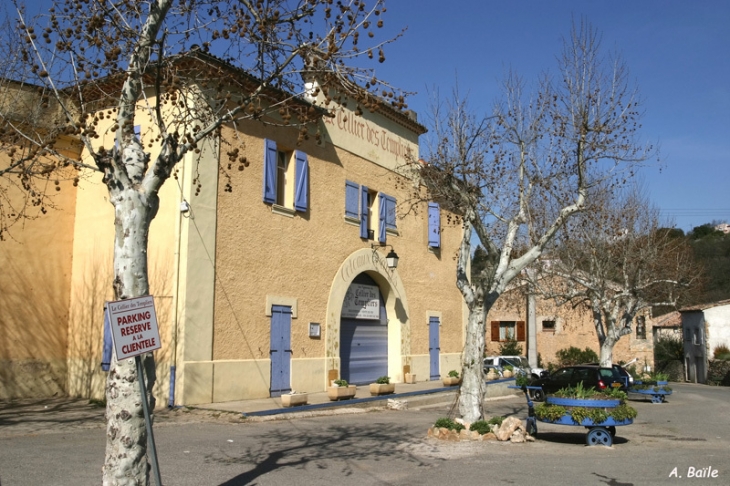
{"x": 691, "y": 432}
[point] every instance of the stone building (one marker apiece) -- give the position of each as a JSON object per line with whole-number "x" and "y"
{"x": 559, "y": 327}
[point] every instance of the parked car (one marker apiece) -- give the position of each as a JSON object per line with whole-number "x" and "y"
{"x": 621, "y": 371}
{"x": 570, "y": 376}
{"x": 519, "y": 365}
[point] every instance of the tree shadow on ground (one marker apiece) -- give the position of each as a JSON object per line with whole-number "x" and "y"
{"x": 331, "y": 447}
{"x": 48, "y": 414}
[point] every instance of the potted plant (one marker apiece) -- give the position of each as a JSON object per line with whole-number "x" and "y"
{"x": 600, "y": 411}
{"x": 293, "y": 399}
{"x": 341, "y": 390}
{"x": 492, "y": 374}
{"x": 507, "y": 371}
{"x": 654, "y": 385}
{"x": 408, "y": 377}
{"x": 452, "y": 378}
{"x": 382, "y": 386}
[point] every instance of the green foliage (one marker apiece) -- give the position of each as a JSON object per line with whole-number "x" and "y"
{"x": 454, "y": 374}
{"x": 718, "y": 373}
{"x": 577, "y": 392}
{"x": 550, "y": 413}
{"x": 553, "y": 413}
{"x": 574, "y": 356}
{"x": 511, "y": 347}
{"x": 495, "y": 421}
{"x": 522, "y": 379}
{"x": 706, "y": 230}
{"x": 447, "y": 423}
{"x": 659, "y": 376}
{"x": 721, "y": 352}
{"x": 481, "y": 426}
{"x": 478, "y": 263}
{"x": 668, "y": 348}
{"x": 539, "y": 361}
{"x": 615, "y": 393}
{"x": 623, "y": 412}
{"x": 383, "y": 380}
{"x": 341, "y": 382}
{"x": 711, "y": 249}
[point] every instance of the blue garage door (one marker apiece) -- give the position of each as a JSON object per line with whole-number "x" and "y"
{"x": 364, "y": 344}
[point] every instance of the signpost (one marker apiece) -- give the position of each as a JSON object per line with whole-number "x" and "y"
{"x": 135, "y": 332}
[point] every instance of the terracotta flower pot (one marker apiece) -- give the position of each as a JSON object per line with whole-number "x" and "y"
{"x": 382, "y": 388}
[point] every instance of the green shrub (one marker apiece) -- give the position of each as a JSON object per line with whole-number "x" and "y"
{"x": 522, "y": 379}
{"x": 454, "y": 374}
{"x": 669, "y": 348}
{"x": 341, "y": 382}
{"x": 481, "y": 426}
{"x": 447, "y": 423}
{"x": 495, "y": 421}
{"x": 574, "y": 356}
{"x": 721, "y": 352}
{"x": 511, "y": 347}
{"x": 383, "y": 380}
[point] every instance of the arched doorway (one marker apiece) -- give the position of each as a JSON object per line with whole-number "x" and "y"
{"x": 363, "y": 332}
{"x": 392, "y": 294}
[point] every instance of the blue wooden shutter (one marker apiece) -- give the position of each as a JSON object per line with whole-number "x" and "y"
{"x": 434, "y": 225}
{"x": 301, "y": 195}
{"x": 389, "y": 211}
{"x": 382, "y": 216}
{"x": 364, "y": 208}
{"x": 352, "y": 198}
{"x": 138, "y": 132}
{"x": 269, "y": 171}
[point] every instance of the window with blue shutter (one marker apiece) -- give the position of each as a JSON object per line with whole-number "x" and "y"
{"x": 382, "y": 217}
{"x": 301, "y": 194}
{"x": 352, "y": 200}
{"x": 270, "y": 165}
{"x": 434, "y": 225}
{"x": 389, "y": 211}
{"x": 364, "y": 209}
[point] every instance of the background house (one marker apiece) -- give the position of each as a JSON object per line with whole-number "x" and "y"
{"x": 705, "y": 327}
{"x": 559, "y": 327}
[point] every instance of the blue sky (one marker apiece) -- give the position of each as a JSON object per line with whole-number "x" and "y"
{"x": 678, "y": 53}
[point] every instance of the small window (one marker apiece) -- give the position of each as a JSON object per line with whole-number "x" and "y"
{"x": 641, "y": 327}
{"x": 375, "y": 212}
{"x": 697, "y": 336}
{"x": 286, "y": 178}
{"x": 507, "y": 331}
{"x": 502, "y": 331}
{"x": 548, "y": 326}
{"x": 434, "y": 225}
{"x": 283, "y": 176}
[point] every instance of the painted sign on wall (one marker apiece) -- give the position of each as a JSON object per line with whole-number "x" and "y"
{"x": 361, "y": 302}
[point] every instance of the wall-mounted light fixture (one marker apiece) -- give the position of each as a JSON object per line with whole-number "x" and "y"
{"x": 391, "y": 258}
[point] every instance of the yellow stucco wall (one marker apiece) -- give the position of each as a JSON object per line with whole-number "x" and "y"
{"x": 92, "y": 275}
{"x": 35, "y": 263}
{"x": 263, "y": 256}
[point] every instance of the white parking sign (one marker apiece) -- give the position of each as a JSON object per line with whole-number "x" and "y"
{"x": 134, "y": 326}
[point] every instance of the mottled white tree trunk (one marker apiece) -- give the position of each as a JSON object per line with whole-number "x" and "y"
{"x": 126, "y": 452}
{"x": 473, "y": 388}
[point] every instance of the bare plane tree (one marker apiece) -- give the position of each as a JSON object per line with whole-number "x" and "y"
{"x": 517, "y": 176}
{"x": 617, "y": 262}
{"x": 186, "y": 68}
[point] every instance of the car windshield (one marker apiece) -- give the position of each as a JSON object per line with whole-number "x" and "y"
{"x": 519, "y": 362}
